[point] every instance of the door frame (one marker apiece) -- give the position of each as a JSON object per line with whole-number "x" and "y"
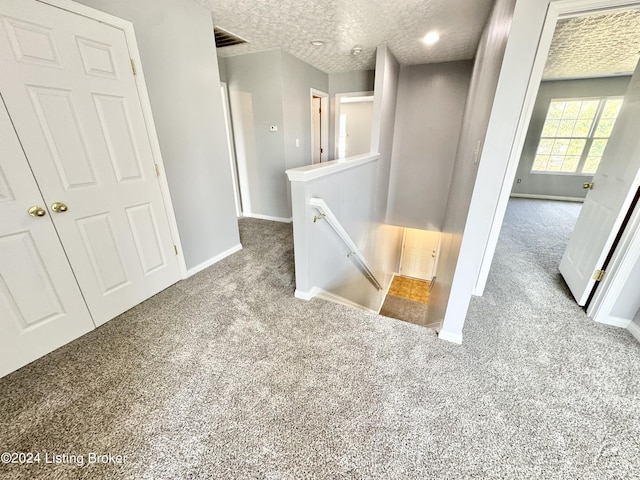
{"x": 336, "y": 115}
{"x": 226, "y": 107}
{"x": 557, "y": 10}
{"x": 145, "y": 104}
{"x": 324, "y": 123}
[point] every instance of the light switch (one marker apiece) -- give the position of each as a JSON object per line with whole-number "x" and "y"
{"x": 273, "y": 128}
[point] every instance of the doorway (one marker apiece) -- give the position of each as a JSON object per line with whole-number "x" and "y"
{"x": 319, "y": 126}
{"x": 564, "y": 12}
{"x": 353, "y": 117}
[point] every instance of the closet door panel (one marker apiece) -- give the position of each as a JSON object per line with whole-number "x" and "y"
{"x": 41, "y": 307}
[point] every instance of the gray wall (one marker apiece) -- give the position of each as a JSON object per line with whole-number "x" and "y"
{"x": 563, "y": 185}
{"x": 222, "y": 68}
{"x": 270, "y": 89}
{"x": 345, "y": 82}
{"x": 180, "y": 66}
{"x": 453, "y": 266}
{"x": 431, "y": 101}
{"x": 385, "y": 99}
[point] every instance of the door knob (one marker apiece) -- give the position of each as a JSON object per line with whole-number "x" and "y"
{"x": 587, "y": 186}
{"x": 37, "y": 212}
{"x": 59, "y": 207}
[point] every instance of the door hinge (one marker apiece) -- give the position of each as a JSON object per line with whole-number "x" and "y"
{"x": 133, "y": 66}
{"x": 598, "y": 276}
{"x": 321, "y": 150}
{"x": 175, "y": 249}
{"x": 157, "y": 170}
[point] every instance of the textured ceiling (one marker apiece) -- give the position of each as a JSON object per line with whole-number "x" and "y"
{"x": 344, "y": 24}
{"x": 595, "y": 46}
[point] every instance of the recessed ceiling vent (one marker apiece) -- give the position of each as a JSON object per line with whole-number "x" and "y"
{"x": 226, "y": 39}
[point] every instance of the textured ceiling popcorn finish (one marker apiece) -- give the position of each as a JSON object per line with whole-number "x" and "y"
{"x": 344, "y": 24}
{"x": 595, "y": 46}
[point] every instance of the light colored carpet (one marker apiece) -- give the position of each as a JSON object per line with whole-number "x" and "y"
{"x": 227, "y": 376}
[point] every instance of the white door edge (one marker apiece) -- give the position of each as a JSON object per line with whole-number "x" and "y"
{"x": 132, "y": 45}
{"x": 620, "y": 267}
{"x": 556, "y": 10}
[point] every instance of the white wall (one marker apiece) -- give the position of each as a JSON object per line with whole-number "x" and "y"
{"x": 179, "y": 59}
{"x": 562, "y": 185}
{"x": 431, "y": 100}
{"x": 270, "y": 89}
{"x": 457, "y": 269}
{"x": 345, "y": 82}
{"x": 359, "y": 116}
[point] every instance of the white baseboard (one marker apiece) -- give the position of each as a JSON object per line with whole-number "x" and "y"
{"x": 634, "y": 328}
{"x": 548, "y": 197}
{"x": 268, "y": 217}
{"x": 214, "y": 260}
{"x": 450, "y": 337}
{"x": 615, "y": 321}
{"x": 316, "y": 292}
{"x": 304, "y": 295}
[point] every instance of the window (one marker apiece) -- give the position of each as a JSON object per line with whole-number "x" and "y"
{"x": 574, "y": 135}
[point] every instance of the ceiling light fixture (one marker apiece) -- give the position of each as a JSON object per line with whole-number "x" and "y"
{"x": 317, "y": 43}
{"x": 356, "y": 51}
{"x": 431, "y": 38}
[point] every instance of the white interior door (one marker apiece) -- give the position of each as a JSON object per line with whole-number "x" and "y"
{"x": 68, "y": 85}
{"x": 41, "y": 307}
{"x": 419, "y": 253}
{"x": 606, "y": 205}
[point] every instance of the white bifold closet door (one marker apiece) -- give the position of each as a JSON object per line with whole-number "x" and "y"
{"x": 69, "y": 87}
{"x": 41, "y": 307}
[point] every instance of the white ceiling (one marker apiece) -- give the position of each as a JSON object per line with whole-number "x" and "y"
{"x": 344, "y": 24}
{"x": 595, "y": 46}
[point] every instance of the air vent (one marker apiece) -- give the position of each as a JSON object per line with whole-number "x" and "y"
{"x": 226, "y": 39}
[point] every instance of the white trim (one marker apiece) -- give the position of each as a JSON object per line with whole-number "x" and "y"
{"x": 317, "y": 292}
{"x": 224, "y": 90}
{"x": 312, "y": 172}
{"x": 547, "y": 197}
{"x": 634, "y": 329}
{"x": 556, "y": 10}
{"x": 145, "y": 104}
{"x": 304, "y": 295}
{"x": 386, "y": 291}
{"x": 450, "y": 337}
{"x": 614, "y": 321}
{"x": 324, "y": 123}
{"x": 268, "y": 217}
{"x": 214, "y": 260}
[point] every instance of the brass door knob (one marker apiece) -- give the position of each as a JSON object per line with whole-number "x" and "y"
{"x": 587, "y": 186}
{"x": 59, "y": 207}
{"x": 37, "y": 212}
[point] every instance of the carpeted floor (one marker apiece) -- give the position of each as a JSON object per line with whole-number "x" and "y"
{"x": 227, "y": 376}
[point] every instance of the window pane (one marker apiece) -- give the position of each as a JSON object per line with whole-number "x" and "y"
{"x": 591, "y": 165}
{"x": 550, "y": 128}
{"x": 612, "y": 108}
{"x": 582, "y": 127}
{"x": 555, "y": 163}
{"x": 555, "y": 110}
{"x": 571, "y": 110}
{"x": 597, "y": 148}
{"x": 544, "y": 147}
{"x": 565, "y": 129}
{"x": 576, "y": 147}
{"x": 589, "y": 109}
{"x": 570, "y": 163}
{"x": 540, "y": 163}
{"x": 560, "y": 146}
{"x": 605, "y": 125}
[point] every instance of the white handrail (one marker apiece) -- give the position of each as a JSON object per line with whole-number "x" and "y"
{"x": 326, "y": 214}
